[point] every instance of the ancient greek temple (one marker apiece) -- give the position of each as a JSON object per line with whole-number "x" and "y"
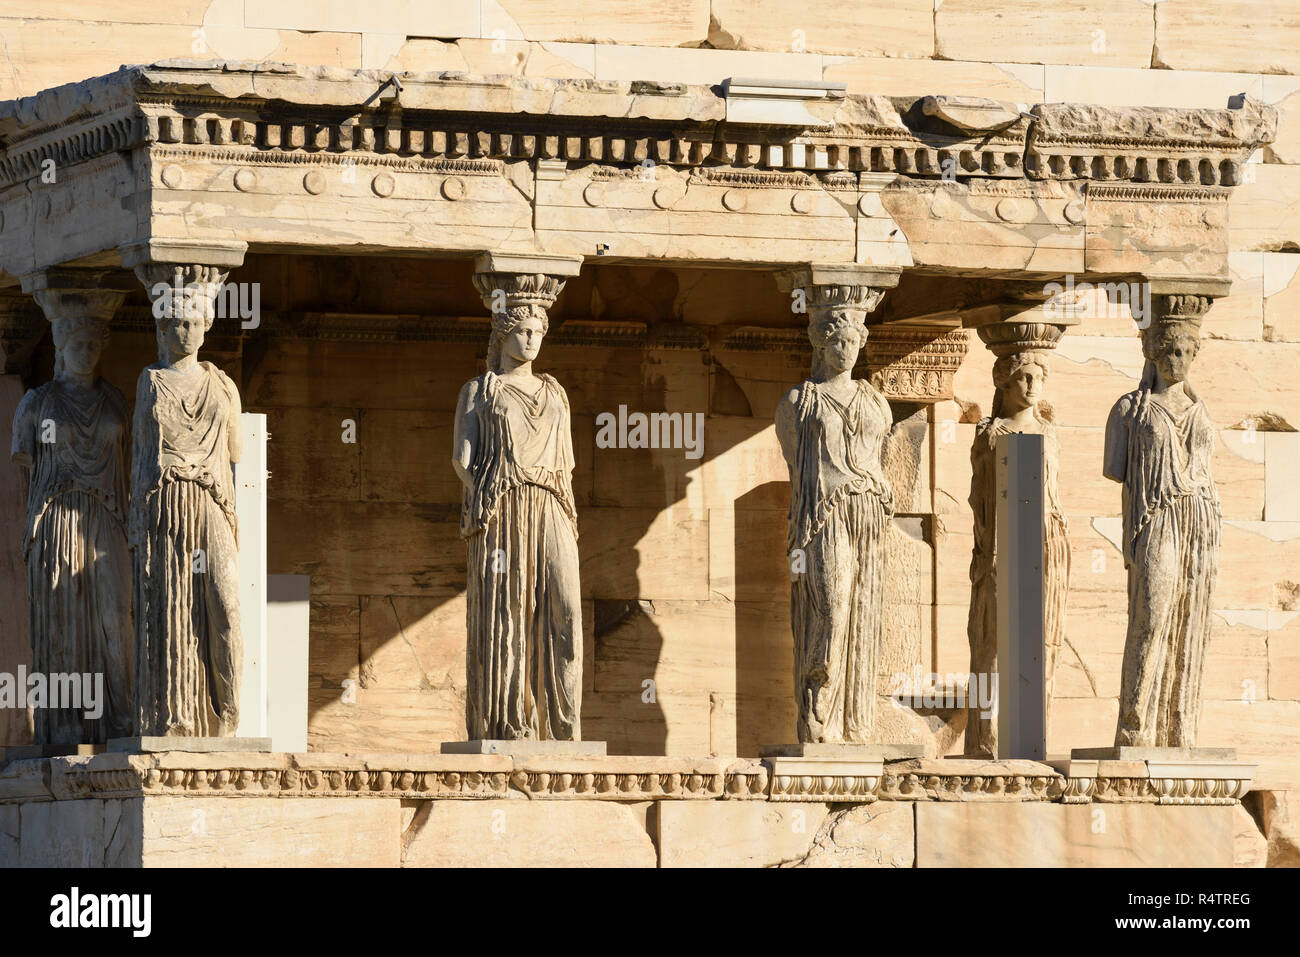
{"x": 354, "y": 572}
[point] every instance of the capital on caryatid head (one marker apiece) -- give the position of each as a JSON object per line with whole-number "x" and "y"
{"x": 67, "y": 293}
{"x": 1019, "y": 324}
{"x": 854, "y": 288}
{"x": 511, "y": 280}
{"x": 183, "y": 277}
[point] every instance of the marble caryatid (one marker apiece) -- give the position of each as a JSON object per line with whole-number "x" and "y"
{"x": 72, "y": 434}
{"x": 831, "y": 428}
{"x": 189, "y": 651}
{"x": 1159, "y": 441}
{"x": 1019, "y": 377}
{"x": 513, "y": 452}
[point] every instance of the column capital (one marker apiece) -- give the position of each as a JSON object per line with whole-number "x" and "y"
{"x": 1021, "y": 323}
{"x": 226, "y": 254}
{"x": 842, "y": 285}
{"x": 847, "y": 275}
{"x": 71, "y": 292}
{"x": 513, "y": 280}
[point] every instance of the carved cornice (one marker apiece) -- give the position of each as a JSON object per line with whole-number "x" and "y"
{"x": 914, "y": 363}
{"x": 1203, "y": 147}
{"x": 908, "y": 786}
{"x": 284, "y": 114}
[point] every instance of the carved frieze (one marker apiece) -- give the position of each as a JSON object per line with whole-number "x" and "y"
{"x": 914, "y": 363}
{"x": 473, "y": 777}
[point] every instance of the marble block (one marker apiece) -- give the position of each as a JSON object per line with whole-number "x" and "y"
{"x": 1213, "y": 755}
{"x": 844, "y": 752}
{"x": 526, "y": 748}
{"x": 157, "y": 743}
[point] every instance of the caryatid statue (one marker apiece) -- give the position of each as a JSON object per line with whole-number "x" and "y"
{"x": 189, "y": 651}
{"x": 513, "y": 451}
{"x": 72, "y": 434}
{"x": 1019, "y": 377}
{"x": 831, "y": 428}
{"x": 1159, "y": 441}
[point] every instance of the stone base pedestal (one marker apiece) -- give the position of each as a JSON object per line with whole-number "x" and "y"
{"x": 29, "y": 752}
{"x": 1156, "y": 775}
{"x": 527, "y": 748}
{"x": 156, "y": 744}
{"x": 844, "y": 752}
{"x": 1154, "y": 754}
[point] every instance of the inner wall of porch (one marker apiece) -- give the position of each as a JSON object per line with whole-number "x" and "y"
{"x": 684, "y": 576}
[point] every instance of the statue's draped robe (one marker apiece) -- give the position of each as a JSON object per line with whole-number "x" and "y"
{"x": 78, "y": 566}
{"x": 840, "y": 502}
{"x": 1172, "y": 525}
{"x": 524, "y": 610}
{"x": 982, "y": 622}
{"x": 189, "y": 650}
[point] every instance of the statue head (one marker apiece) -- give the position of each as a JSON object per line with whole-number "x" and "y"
{"x": 184, "y": 306}
{"x": 837, "y": 334}
{"x": 1170, "y": 347}
{"x": 517, "y": 333}
{"x": 78, "y": 344}
{"x": 1019, "y": 379}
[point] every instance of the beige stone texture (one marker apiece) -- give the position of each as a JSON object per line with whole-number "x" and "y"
{"x": 1282, "y": 476}
{"x": 876, "y": 28}
{"x": 867, "y": 835}
{"x": 674, "y": 23}
{"x": 1284, "y": 93}
{"x": 1230, "y": 35}
{"x": 1265, "y": 214}
{"x": 528, "y": 834}
{"x": 1284, "y": 655}
{"x": 292, "y": 832}
{"x": 1237, "y": 665}
{"x": 1250, "y": 847}
{"x": 1281, "y": 295}
{"x": 1263, "y": 732}
{"x": 1274, "y": 812}
{"x": 1014, "y": 82}
{"x": 736, "y": 833}
{"x": 1119, "y": 86}
{"x": 1222, "y": 366}
{"x": 1072, "y": 835}
{"x": 184, "y": 12}
{"x": 1257, "y": 557}
{"x": 453, "y": 18}
{"x": 710, "y": 67}
{"x": 1112, "y": 32}
{"x": 1082, "y": 722}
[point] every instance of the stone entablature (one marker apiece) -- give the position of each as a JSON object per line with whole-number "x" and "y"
{"x": 304, "y": 158}
{"x": 616, "y": 778}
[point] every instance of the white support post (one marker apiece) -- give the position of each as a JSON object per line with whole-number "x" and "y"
{"x": 250, "y": 510}
{"x": 1022, "y": 713}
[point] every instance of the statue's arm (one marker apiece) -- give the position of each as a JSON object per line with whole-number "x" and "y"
{"x": 787, "y": 428}
{"x": 982, "y": 498}
{"x": 22, "y": 450}
{"x": 465, "y": 435}
{"x": 234, "y": 430}
{"x": 1115, "y": 457}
